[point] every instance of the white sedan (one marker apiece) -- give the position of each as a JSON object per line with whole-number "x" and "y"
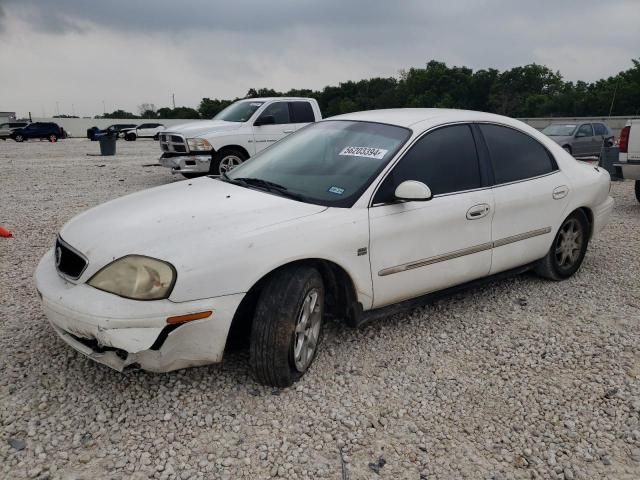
{"x": 349, "y": 217}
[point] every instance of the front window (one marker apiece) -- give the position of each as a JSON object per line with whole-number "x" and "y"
{"x": 239, "y": 111}
{"x": 329, "y": 163}
{"x": 559, "y": 130}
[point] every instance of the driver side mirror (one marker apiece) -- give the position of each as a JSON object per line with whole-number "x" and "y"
{"x": 413, "y": 191}
{"x": 265, "y": 120}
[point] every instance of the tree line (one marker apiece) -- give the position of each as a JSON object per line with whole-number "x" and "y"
{"x": 526, "y": 91}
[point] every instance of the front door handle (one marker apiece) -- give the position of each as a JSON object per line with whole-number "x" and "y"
{"x": 478, "y": 211}
{"x": 560, "y": 192}
{"x": 288, "y": 131}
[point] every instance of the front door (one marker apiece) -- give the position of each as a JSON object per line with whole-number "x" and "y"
{"x": 267, "y": 134}
{"x": 583, "y": 141}
{"x": 422, "y": 246}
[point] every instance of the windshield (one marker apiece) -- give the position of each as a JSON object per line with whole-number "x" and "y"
{"x": 238, "y": 112}
{"x": 559, "y": 130}
{"x": 329, "y": 163}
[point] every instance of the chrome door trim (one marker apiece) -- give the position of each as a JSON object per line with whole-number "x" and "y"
{"x": 438, "y": 258}
{"x": 463, "y": 252}
{"x": 521, "y": 236}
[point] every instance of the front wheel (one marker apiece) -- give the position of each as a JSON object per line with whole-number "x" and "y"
{"x": 226, "y": 160}
{"x": 19, "y": 138}
{"x": 130, "y": 137}
{"x": 286, "y": 326}
{"x": 53, "y": 138}
{"x": 638, "y": 190}
{"x": 567, "y": 250}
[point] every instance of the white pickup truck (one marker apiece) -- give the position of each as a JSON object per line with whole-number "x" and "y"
{"x": 239, "y": 131}
{"x": 629, "y": 159}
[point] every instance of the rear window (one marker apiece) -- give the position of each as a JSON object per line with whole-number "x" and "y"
{"x": 515, "y": 155}
{"x": 301, "y": 112}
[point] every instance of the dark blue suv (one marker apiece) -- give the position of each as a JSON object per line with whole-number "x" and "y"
{"x": 49, "y": 130}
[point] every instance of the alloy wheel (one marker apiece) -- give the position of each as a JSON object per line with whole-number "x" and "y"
{"x": 228, "y": 163}
{"x": 569, "y": 244}
{"x": 307, "y": 331}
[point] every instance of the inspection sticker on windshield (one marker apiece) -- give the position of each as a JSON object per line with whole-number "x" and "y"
{"x": 336, "y": 190}
{"x": 377, "y": 153}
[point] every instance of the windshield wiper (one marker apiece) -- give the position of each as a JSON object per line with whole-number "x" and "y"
{"x": 269, "y": 186}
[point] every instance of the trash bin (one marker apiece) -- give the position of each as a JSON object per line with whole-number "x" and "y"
{"x": 609, "y": 155}
{"x": 108, "y": 143}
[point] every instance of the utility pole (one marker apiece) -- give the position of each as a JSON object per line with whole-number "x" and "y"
{"x": 615, "y": 90}
{"x": 173, "y": 100}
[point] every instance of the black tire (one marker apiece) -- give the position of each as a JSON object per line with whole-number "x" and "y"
{"x": 156, "y": 137}
{"x": 19, "y": 138}
{"x": 53, "y": 138}
{"x": 278, "y": 313}
{"x": 221, "y": 159}
{"x": 130, "y": 137}
{"x": 558, "y": 264}
{"x": 637, "y": 187}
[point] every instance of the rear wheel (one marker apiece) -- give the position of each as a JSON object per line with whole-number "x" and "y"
{"x": 567, "y": 250}
{"x": 53, "y": 138}
{"x": 226, "y": 160}
{"x": 638, "y": 190}
{"x": 19, "y": 138}
{"x": 286, "y": 326}
{"x": 130, "y": 137}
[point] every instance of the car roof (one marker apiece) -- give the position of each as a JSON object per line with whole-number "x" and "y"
{"x": 406, "y": 117}
{"x": 268, "y": 99}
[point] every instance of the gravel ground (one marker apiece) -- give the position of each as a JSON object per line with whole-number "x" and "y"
{"x": 523, "y": 378}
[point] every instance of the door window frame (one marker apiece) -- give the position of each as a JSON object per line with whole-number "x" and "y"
{"x": 487, "y": 155}
{"x": 485, "y": 169}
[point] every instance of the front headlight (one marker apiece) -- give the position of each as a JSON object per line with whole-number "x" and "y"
{"x": 198, "y": 144}
{"x": 136, "y": 277}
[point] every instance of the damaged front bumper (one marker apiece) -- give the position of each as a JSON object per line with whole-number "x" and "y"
{"x": 186, "y": 163}
{"x": 121, "y": 333}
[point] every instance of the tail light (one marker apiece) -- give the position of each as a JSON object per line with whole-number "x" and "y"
{"x": 624, "y": 139}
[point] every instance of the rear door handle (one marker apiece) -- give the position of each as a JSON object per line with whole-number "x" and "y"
{"x": 560, "y": 192}
{"x": 478, "y": 211}
{"x": 288, "y": 131}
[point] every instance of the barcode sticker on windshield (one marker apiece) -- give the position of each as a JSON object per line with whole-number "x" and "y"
{"x": 377, "y": 153}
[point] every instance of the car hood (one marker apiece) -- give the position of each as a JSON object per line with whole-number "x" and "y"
{"x": 196, "y": 129}
{"x": 175, "y": 221}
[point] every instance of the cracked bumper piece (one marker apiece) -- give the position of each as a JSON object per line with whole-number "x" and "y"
{"x": 187, "y": 163}
{"x": 122, "y": 333}
{"x": 602, "y": 215}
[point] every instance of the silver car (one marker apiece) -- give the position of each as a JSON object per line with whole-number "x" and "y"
{"x": 579, "y": 139}
{"x": 7, "y": 128}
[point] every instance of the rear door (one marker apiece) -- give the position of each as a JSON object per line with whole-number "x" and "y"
{"x": 423, "y": 246}
{"x": 268, "y": 134}
{"x": 301, "y": 113}
{"x": 530, "y": 194}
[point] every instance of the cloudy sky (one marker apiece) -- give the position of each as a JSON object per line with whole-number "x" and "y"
{"x": 72, "y": 55}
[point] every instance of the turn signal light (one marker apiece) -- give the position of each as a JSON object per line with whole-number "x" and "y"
{"x": 189, "y": 318}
